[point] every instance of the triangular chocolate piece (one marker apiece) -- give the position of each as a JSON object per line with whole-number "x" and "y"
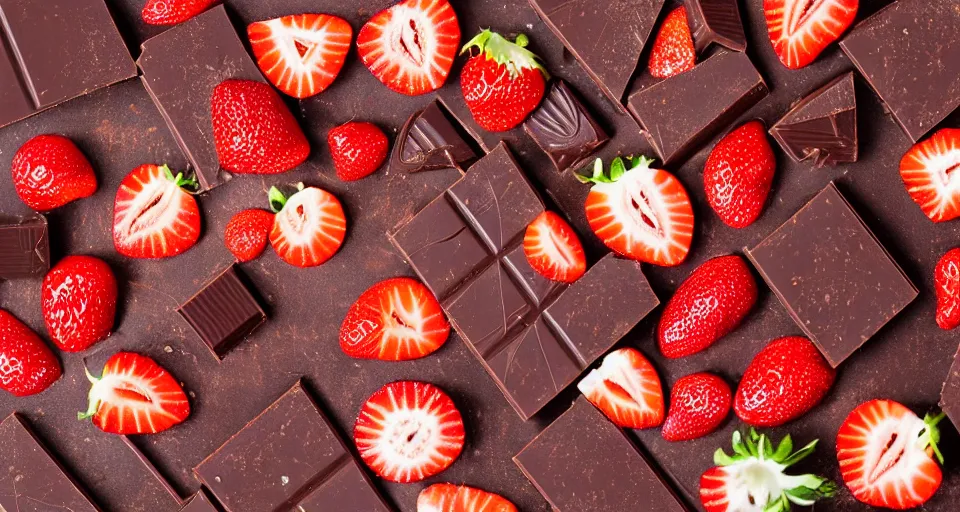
{"x": 822, "y": 126}
{"x": 715, "y": 21}
{"x": 430, "y": 141}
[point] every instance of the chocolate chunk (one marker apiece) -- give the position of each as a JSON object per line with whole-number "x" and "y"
{"x": 199, "y": 503}
{"x": 950, "y": 394}
{"x": 56, "y": 50}
{"x": 822, "y": 126}
{"x": 24, "y": 247}
{"x": 429, "y": 141}
{"x": 715, "y": 21}
{"x": 909, "y": 52}
{"x": 223, "y": 313}
{"x": 181, "y": 67}
{"x": 582, "y": 462}
{"x": 684, "y": 111}
{"x": 833, "y": 276}
{"x": 563, "y": 128}
{"x": 288, "y": 458}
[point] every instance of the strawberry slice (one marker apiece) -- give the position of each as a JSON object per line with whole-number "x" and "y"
{"x": 301, "y": 54}
{"x": 394, "y": 320}
{"x": 153, "y": 217}
{"x": 460, "y": 498}
{"x": 309, "y": 226}
{"x": 408, "y": 431}
{"x": 800, "y": 29}
{"x": 641, "y": 213}
{"x": 886, "y": 455}
{"x": 626, "y": 388}
{"x": 931, "y": 173}
{"x": 553, "y": 249}
{"x": 135, "y": 395}
{"x": 410, "y": 47}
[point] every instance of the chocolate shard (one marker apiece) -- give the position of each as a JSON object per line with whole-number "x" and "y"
{"x": 564, "y": 129}
{"x": 715, "y": 21}
{"x": 950, "y": 393}
{"x": 822, "y": 126}
{"x": 199, "y": 503}
{"x": 24, "y": 247}
{"x": 429, "y": 141}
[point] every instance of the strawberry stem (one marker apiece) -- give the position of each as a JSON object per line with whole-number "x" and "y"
{"x": 179, "y": 180}
{"x": 514, "y": 55}
{"x": 93, "y": 404}
{"x": 277, "y": 199}
{"x": 930, "y": 435}
{"x": 618, "y": 167}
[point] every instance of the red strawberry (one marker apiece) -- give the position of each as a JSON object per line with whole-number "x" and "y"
{"x": 410, "y": 47}
{"x": 309, "y": 226}
{"x": 738, "y": 175}
{"x": 135, "y": 396}
{"x": 394, "y": 320}
{"x": 784, "y": 381}
{"x": 947, "y": 281}
{"x": 626, "y": 388}
{"x": 79, "y": 300}
{"x": 641, "y": 213}
{"x": 698, "y": 405}
{"x": 49, "y": 171}
{"x": 673, "y": 51}
{"x": 503, "y": 83}
{"x": 171, "y": 12}
{"x": 301, "y": 54}
{"x": 254, "y": 131}
{"x": 931, "y": 173}
{"x": 153, "y": 217}
{"x": 27, "y": 365}
{"x": 707, "y": 306}
{"x": 246, "y": 233}
{"x": 800, "y": 29}
{"x": 753, "y": 478}
{"x": 886, "y": 455}
{"x": 408, "y": 431}
{"x": 553, "y": 249}
{"x": 358, "y": 149}
{"x": 460, "y": 498}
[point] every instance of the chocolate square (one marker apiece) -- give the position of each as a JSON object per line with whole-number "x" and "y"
{"x": 950, "y": 393}
{"x": 24, "y": 247}
{"x": 223, "y": 313}
{"x": 822, "y": 126}
{"x": 564, "y": 129}
{"x": 430, "y": 141}
{"x": 488, "y": 308}
{"x": 715, "y": 22}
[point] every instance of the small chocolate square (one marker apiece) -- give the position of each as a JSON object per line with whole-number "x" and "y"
{"x": 24, "y": 247}
{"x": 564, "y": 129}
{"x": 487, "y": 308}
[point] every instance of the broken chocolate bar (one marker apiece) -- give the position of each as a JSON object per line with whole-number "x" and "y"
{"x": 715, "y": 21}
{"x": 199, "y": 503}
{"x": 24, "y": 247}
{"x": 822, "y": 126}
{"x": 429, "y": 141}
{"x": 563, "y": 128}
{"x": 950, "y": 393}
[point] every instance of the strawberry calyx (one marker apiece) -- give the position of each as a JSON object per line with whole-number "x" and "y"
{"x": 618, "y": 167}
{"x": 514, "y": 55}
{"x": 278, "y": 199}
{"x": 930, "y": 435}
{"x": 179, "y": 180}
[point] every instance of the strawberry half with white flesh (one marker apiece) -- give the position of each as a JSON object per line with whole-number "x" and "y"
{"x": 553, "y": 249}
{"x": 640, "y": 212}
{"x": 753, "y": 479}
{"x": 460, "y": 498}
{"x": 800, "y": 29}
{"x": 309, "y": 226}
{"x": 153, "y": 217}
{"x": 931, "y": 173}
{"x": 626, "y": 388}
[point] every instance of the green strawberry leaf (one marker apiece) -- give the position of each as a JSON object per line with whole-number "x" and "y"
{"x": 277, "y": 199}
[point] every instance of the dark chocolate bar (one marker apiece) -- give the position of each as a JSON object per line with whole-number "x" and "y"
{"x": 152, "y": 469}
{"x": 52, "y": 51}
{"x": 715, "y": 22}
{"x": 24, "y": 247}
{"x": 682, "y": 112}
{"x": 583, "y": 462}
{"x": 429, "y": 141}
{"x": 563, "y": 128}
{"x": 288, "y": 458}
{"x": 950, "y": 394}
{"x": 199, "y": 503}
{"x": 822, "y": 126}
{"x": 833, "y": 276}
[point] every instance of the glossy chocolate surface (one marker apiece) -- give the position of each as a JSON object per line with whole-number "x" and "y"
{"x": 715, "y": 22}
{"x": 950, "y": 394}
{"x": 24, "y": 247}
{"x": 564, "y": 129}
{"x": 430, "y": 140}
{"x": 822, "y": 126}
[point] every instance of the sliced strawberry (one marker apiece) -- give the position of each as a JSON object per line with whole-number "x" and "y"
{"x": 886, "y": 455}
{"x": 408, "y": 431}
{"x": 301, "y": 54}
{"x": 698, "y": 405}
{"x": 460, "y": 498}
{"x": 931, "y": 173}
{"x": 410, "y": 47}
{"x": 309, "y": 226}
{"x": 135, "y": 395}
{"x": 553, "y": 249}
{"x": 247, "y": 233}
{"x": 800, "y": 29}
{"x": 394, "y": 320}
{"x": 641, "y": 213}
{"x": 947, "y": 282}
{"x": 673, "y": 51}
{"x": 153, "y": 217}
{"x": 626, "y": 388}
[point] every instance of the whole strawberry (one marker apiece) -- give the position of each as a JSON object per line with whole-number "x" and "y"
{"x": 358, "y": 149}
{"x": 698, "y": 405}
{"x": 947, "y": 281}
{"x": 738, "y": 175}
{"x": 171, "y": 12}
{"x": 27, "y": 365}
{"x": 49, "y": 171}
{"x": 253, "y": 129}
{"x": 79, "y": 300}
{"x": 673, "y": 51}
{"x": 709, "y": 304}
{"x": 784, "y": 381}
{"x": 503, "y": 83}
{"x": 247, "y": 233}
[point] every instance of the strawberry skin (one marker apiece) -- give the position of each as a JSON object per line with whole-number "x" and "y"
{"x": 698, "y": 405}
{"x": 784, "y": 381}
{"x": 739, "y": 173}
{"x": 800, "y": 29}
{"x": 553, "y": 249}
{"x": 626, "y": 388}
{"x": 931, "y": 173}
{"x": 673, "y": 51}
{"x": 254, "y": 131}
{"x": 309, "y": 227}
{"x": 947, "y": 282}
{"x": 27, "y": 365}
{"x": 79, "y": 299}
{"x": 711, "y": 303}
{"x": 358, "y": 149}
{"x": 171, "y": 12}
{"x": 50, "y": 171}
{"x": 153, "y": 217}
{"x": 246, "y": 234}
{"x": 460, "y": 498}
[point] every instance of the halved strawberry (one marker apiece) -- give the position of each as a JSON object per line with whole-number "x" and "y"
{"x": 301, "y": 54}
{"x": 394, "y": 320}
{"x": 408, "y": 431}
{"x": 641, "y": 213}
{"x": 135, "y": 395}
{"x": 410, "y": 47}
{"x": 553, "y": 249}
{"x": 153, "y": 217}
{"x": 886, "y": 455}
{"x": 931, "y": 173}
{"x": 800, "y": 29}
{"x": 309, "y": 226}
{"x": 460, "y": 498}
{"x": 626, "y": 388}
